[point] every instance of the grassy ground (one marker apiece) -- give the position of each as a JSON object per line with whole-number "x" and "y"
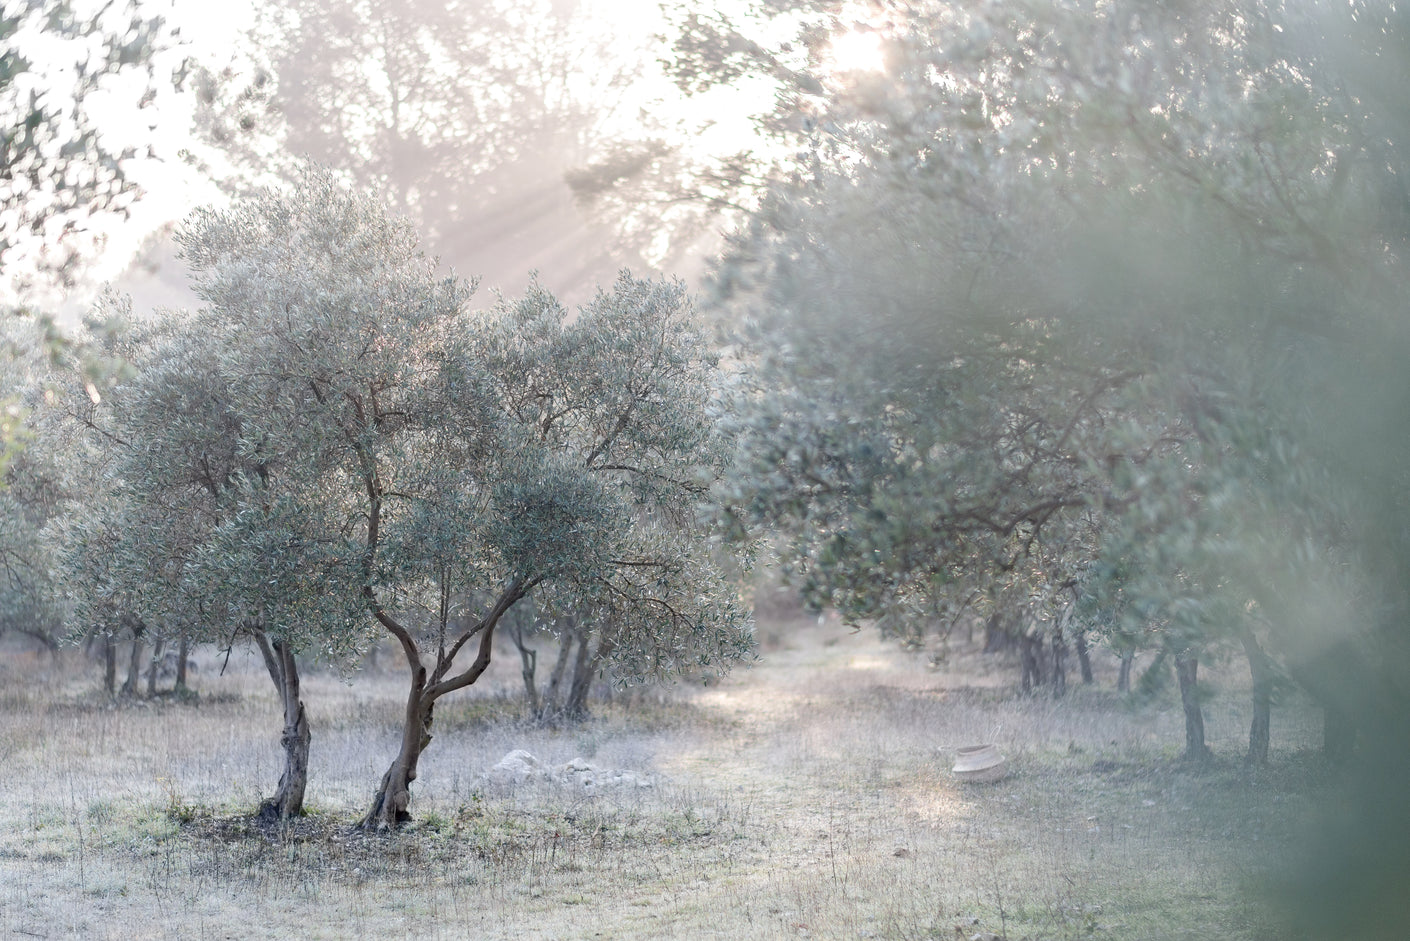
{"x": 807, "y": 796}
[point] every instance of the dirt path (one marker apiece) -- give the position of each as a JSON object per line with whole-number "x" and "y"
{"x": 831, "y": 807}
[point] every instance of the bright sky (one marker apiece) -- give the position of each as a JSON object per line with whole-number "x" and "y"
{"x": 211, "y": 31}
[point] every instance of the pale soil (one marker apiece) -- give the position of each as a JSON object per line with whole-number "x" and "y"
{"x": 808, "y": 795}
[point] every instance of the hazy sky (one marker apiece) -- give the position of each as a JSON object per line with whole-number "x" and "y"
{"x": 211, "y": 32}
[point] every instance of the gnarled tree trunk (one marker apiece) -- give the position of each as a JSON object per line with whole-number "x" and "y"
{"x": 288, "y": 799}
{"x": 393, "y": 796}
{"x": 528, "y": 666}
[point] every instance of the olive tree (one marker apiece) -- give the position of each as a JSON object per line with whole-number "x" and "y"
{"x": 1024, "y": 296}
{"x": 466, "y": 460}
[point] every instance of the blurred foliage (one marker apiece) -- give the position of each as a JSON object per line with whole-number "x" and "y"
{"x": 55, "y": 166}
{"x": 1100, "y": 296}
{"x": 465, "y": 114}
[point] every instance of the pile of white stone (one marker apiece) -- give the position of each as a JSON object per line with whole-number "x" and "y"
{"x": 520, "y": 767}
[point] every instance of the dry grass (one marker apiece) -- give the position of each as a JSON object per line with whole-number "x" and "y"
{"x": 808, "y": 796}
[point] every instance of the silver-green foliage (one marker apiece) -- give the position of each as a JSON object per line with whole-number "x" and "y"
{"x": 347, "y": 437}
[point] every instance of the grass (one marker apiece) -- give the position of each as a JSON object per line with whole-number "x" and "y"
{"x": 808, "y": 797}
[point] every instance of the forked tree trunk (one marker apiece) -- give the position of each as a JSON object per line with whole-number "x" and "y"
{"x": 288, "y": 799}
{"x": 1260, "y": 669}
{"x": 389, "y": 804}
{"x": 586, "y": 672}
{"x": 393, "y": 796}
{"x": 1187, "y": 670}
{"x": 528, "y": 666}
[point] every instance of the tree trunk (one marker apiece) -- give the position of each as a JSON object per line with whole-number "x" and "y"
{"x": 110, "y": 664}
{"x": 1123, "y": 679}
{"x": 552, "y": 696}
{"x": 152, "y": 666}
{"x": 393, "y": 796}
{"x": 528, "y": 666}
{"x": 288, "y": 799}
{"x": 183, "y": 651}
{"x": 585, "y": 673}
{"x": 1030, "y": 652}
{"x": 1187, "y": 669}
{"x": 134, "y": 664}
{"x": 576, "y": 706}
{"x": 389, "y": 804}
{"x": 1084, "y": 658}
{"x": 1059, "y": 663}
{"x": 1260, "y": 670}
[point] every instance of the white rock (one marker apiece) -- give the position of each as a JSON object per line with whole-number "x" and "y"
{"x": 516, "y": 767}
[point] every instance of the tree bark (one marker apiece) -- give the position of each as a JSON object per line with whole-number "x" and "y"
{"x": 1260, "y": 669}
{"x": 1187, "y": 669}
{"x": 288, "y": 799}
